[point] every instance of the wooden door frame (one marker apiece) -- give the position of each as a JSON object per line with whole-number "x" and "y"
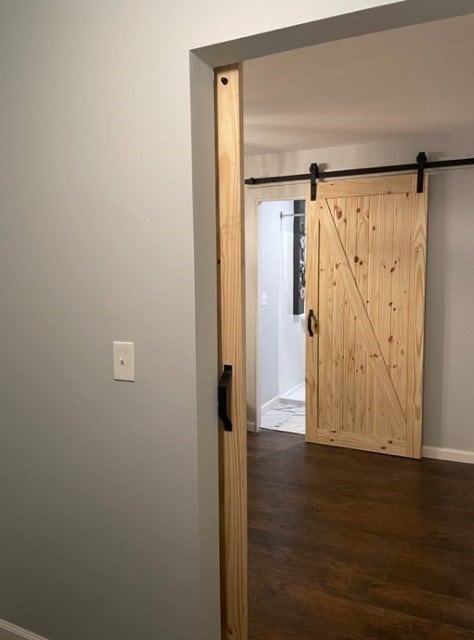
{"x": 231, "y": 348}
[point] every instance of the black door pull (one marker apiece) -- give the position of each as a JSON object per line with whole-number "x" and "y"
{"x": 224, "y": 387}
{"x": 312, "y": 323}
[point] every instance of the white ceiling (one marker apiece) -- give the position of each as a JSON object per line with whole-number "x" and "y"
{"x": 415, "y": 80}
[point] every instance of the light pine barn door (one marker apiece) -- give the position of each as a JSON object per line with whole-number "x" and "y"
{"x": 366, "y": 251}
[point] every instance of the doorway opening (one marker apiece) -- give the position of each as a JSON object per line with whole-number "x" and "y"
{"x": 326, "y": 512}
{"x": 280, "y": 315}
{"x": 315, "y": 511}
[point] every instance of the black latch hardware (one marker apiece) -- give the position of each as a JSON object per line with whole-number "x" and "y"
{"x": 225, "y": 387}
{"x": 312, "y": 323}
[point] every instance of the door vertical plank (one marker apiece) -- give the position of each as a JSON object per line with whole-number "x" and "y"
{"x": 385, "y": 273}
{"x": 381, "y": 219}
{"x": 400, "y": 300}
{"x": 373, "y": 304}
{"x": 324, "y": 371}
{"x": 337, "y": 209}
{"x": 361, "y": 276}
{"x": 312, "y": 302}
{"x": 416, "y": 329}
{"x": 387, "y": 427}
{"x": 348, "y": 420}
{"x": 232, "y": 444}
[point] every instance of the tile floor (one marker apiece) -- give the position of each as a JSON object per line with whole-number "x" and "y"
{"x": 285, "y": 416}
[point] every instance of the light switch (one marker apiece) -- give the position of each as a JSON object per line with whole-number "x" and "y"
{"x": 124, "y": 361}
{"x": 264, "y": 299}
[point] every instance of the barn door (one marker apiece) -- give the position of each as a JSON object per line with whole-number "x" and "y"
{"x": 366, "y": 248}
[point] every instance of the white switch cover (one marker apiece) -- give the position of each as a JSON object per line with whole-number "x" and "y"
{"x": 264, "y": 299}
{"x": 124, "y": 361}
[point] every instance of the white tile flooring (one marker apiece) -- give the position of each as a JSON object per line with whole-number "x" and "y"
{"x": 285, "y": 416}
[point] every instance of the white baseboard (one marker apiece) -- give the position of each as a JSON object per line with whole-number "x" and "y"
{"x": 289, "y": 392}
{"x": 270, "y": 403}
{"x": 286, "y": 400}
{"x": 453, "y": 455}
{"x": 18, "y": 631}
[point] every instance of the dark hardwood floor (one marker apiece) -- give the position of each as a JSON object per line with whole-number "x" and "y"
{"x": 347, "y": 545}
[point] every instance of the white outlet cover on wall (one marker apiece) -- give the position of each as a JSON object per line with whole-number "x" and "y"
{"x": 124, "y": 361}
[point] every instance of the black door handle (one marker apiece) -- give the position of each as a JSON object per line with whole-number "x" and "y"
{"x": 312, "y": 322}
{"x": 224, "y": 385}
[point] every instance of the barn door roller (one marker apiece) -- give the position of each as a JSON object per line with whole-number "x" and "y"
{"x": 421, "y": 162}
{"x": 314, "y": 177}
{"x": 315, "y": 173}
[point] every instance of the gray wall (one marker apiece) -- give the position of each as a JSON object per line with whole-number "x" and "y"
{"x": 449, "y": 349}
{"x": 108, "y": 493}
{"x": 449, "y": 342}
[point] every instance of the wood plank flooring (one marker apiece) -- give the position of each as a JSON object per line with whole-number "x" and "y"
{"x": 6, "y": 635}
{"x": 347, "y": 545}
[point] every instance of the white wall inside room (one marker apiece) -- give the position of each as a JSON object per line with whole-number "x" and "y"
{"x": 268, "y": 260}
{"x": 280, "y": 334}
{"x": 449, "y": 344}
{"x": 291, "y": 332}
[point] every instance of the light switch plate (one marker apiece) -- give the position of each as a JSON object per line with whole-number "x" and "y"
{"x": 124, "y": 361}
{"x": 264, "y": 299}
